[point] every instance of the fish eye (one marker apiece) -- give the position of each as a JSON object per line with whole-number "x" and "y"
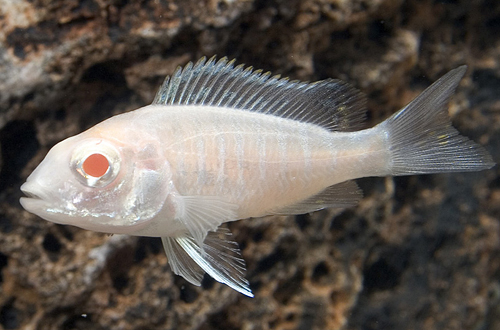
{"x": 96, "y": 163}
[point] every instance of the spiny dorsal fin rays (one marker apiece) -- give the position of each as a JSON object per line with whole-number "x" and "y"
{"x": 218, "y": 91}
{"x": 330, "y": 103}
{"x": 189, "y": 74}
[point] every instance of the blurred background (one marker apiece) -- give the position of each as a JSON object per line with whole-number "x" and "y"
{"x": 419, "y": 252}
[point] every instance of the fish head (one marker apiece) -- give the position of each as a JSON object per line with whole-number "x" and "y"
{"x": 99, "y": 184}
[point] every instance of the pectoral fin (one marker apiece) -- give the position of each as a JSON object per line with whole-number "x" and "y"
{"x": 202, "y": 214}
{"x": 220, "y": 258}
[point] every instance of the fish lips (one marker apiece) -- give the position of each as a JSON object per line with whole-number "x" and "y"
{"x": 35, "y": 196}
{"x": 37, "y": 202}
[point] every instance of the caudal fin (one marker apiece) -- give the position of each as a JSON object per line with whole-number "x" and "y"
{"x": 422, "y": 139}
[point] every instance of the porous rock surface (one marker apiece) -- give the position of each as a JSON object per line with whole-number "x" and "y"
{"x": 420, "y": 252}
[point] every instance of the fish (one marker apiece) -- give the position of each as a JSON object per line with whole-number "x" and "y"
{"x": 224, "y": 142}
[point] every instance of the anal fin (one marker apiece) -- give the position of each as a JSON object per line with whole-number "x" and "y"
{"x": 219, "y": 256}
{"x": 341, "y": 195}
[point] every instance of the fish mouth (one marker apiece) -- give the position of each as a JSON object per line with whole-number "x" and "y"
{"x": 39, "y": 202}
{"x": 32, "y": 191}
{"x": 35, "y": 200}
{"x": 29, "y": 194}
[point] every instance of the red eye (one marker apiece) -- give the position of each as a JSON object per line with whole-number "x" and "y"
{"x": 95, "y": 165}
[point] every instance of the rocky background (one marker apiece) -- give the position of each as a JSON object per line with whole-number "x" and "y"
{"x": 419, "y": 252}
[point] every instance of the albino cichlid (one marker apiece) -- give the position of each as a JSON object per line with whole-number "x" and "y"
{"x": 222, "y": 143}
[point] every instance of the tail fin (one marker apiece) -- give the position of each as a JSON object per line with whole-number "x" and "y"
{"x": 422, "y": 139}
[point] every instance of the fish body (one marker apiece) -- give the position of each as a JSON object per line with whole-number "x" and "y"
{"x": 222, "y": 143}
{"x": 261, "y": 163}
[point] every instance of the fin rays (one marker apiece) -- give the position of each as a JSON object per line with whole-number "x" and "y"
{"x": 203, "y": 214}
{"x": 219, "y": 256}
{"x": 344, "y": 194}
{"x": 330, "y": 103}
{"x": 422, "y": 139}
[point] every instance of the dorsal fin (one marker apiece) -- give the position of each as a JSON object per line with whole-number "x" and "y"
{"x": 330, "y": 103}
